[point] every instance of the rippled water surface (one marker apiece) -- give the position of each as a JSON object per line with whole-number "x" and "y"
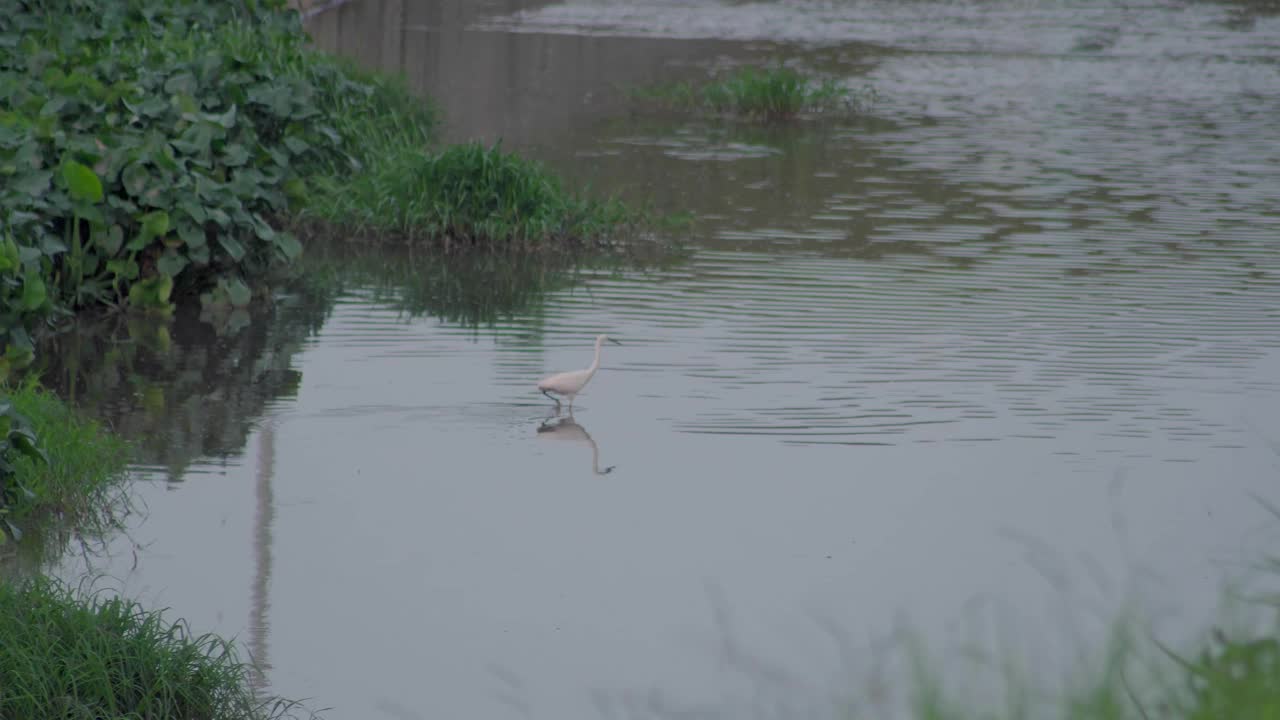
{"x": 1001, "y": 353}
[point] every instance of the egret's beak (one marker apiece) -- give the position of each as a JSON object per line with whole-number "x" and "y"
{"x": 615, "y": 342}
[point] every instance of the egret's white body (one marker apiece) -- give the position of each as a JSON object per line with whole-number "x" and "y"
{"x": 569, "y": 384}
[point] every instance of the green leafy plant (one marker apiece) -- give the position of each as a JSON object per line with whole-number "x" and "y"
{"x": 24, "y": 303}
{"x": 151, "y": 149}
{"x": 17, "y": 439}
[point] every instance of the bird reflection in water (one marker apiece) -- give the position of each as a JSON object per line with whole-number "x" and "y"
{"x": 567, "y": 429}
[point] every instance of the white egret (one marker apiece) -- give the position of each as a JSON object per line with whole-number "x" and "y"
{"x": 569, "y": 384}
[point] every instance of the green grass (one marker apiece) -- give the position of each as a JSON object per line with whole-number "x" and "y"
{"x": 467, "y": 196}
{"x": 771, "y": 94}
{"x": 1231, "y": 671}
{"x": 64, "y": 656}
{"x": 85, "y": 463}
{"x": 1098, "y": 689}
{"x": 1224, "y": 679}
{"x": 1230, "y": 678}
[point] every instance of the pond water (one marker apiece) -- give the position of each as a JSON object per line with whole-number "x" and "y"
{"x": 1000, "y": 355}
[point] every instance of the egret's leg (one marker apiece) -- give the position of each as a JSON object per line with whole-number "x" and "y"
{"x": 556, "y": 399}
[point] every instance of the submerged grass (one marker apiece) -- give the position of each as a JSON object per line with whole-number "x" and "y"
{"x": 64, "y": 656}
{"x": 468, "y": 195}
{"x": 771, "y": 94}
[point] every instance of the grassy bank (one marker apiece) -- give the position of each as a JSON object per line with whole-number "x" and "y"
{"x": 55, "y": 465}
{"x": 466, "y": 196}
{"x": 66, "y": 656}
{"x": 772, "y": 93}
{"x": 152, "y": 150}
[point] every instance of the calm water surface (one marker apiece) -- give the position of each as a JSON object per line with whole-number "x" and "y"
{"x": 993, "y": 361}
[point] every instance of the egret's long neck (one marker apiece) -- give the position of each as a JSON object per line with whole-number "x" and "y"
{"x": 595, "y": 364}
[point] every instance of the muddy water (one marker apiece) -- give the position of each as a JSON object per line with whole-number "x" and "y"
{"x": 995, "y": 360}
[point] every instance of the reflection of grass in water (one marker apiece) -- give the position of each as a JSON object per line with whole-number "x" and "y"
{"x": 470, "y": 289}
{"x": 64, "y": 655}
{"x": 183, "y": 387}
{"x": 772, "y": 93}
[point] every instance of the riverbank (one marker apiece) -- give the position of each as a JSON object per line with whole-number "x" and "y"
{"x": 915, "y": 364}
{"x": 157, "y": 157}
{"x": 67, "y": 653}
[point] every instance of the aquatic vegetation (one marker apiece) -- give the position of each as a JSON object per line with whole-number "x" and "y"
{"x": 772, "y": 93}
{"x": 150, "y": 150}
{"x": 66, "y": 655}
{"x": 465, "y": 196}
{"x": 54, "y": 462}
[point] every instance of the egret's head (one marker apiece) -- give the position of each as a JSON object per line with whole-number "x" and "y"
{"x": 605, "y": 338}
